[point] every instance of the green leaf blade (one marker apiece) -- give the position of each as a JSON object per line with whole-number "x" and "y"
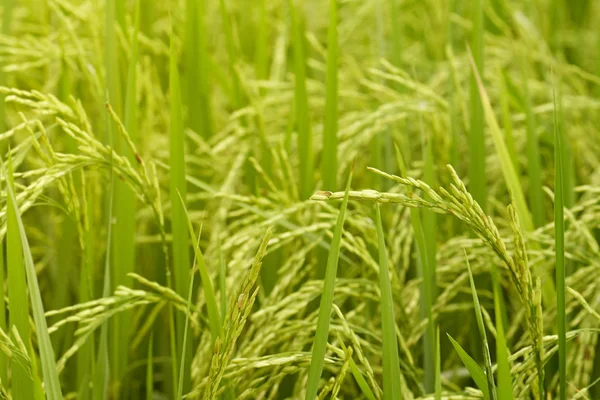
{"x": 559, "y": 248}
{"x": 505, "y": 387}
{"x": 484, "y": 342}
{"x": 534, "y": 170}
{"x": 25, "y": 262}
{"x": 391, "y": 361}
{"x": 18, "y": 304}
{"x": 198, "y": 76}
{"x": 178, "y": 188}
{"x": 474, "y": 369}
{"x": 214, "y": 318}
{"x": 477, "y": 170}
{"x": 510, "y": 175}
{"x": 304, "y": 137}
{"x": 125, "y": 214}
{"x": 329, "y": 162}
{"x": 320, "y": 343}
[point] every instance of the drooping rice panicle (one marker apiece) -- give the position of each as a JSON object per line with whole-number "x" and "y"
{"x": 276, "y": 100}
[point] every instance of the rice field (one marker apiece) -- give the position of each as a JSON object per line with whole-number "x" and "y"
{"x": 299, "y": 199}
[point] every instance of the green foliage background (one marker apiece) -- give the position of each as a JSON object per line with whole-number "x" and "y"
{"x": 175, "y": 168}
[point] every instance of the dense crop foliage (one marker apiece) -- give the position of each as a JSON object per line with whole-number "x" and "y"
{"x": 234, "y": 199}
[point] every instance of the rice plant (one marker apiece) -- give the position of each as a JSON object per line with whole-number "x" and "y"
{"x": 172, "y": 224}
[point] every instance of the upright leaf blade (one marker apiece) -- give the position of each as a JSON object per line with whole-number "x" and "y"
{"x": 477, "y": 174}
{"x": 86, "y": 355}
{"x": 559, "y": 248}
{"x": 320, "y": 343}
{"x": 508, "y": 170}
{"x": 305, "y": 156}
{"x": 474, "y": 369}
{"x": 7, "y": 16}
{"x": 427, "y": 271}
{"x": 429, "y": 219}
{"x": 510, "y": 177}
{"x": 125, "y": 213}
{"x": 233, "y": 54}
{"x": 214, "y": 318}
{"x": 505, "y": 388}
{"x": 391, "y": 361}
{"x": 198, "y": 72}
{"x": 18, "y": 305}
{"x": 261, "y": 56}
{"x": 484, "y": 343}
{"x": 51, "y": 382}
{"x": 112, "y": 91}
{"x": 360, "y": 379}
{"x": 507, "y": 121}
{"x": 534, "y": 170}
{"x": 111, "y": 58}
{"x": 329, "y": 163}
{"x": 101, "y": 380}
{"x": 187, "y": 317}
{"x": 178, "y": 187}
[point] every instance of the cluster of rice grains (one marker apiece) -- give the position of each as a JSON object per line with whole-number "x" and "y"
{"x": 173, "y": 222}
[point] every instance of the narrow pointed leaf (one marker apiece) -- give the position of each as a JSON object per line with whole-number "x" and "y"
{"x": 178, "y": 187}
{"x": 329, "y": 158}
{"x": 508, "y": 170}
{"x": 534, "y": 170}
{"x": 125, "y": 212}
{"x": 484, "y": 343}
{"x": 477, "y": 174}
{"x": 18, "y": 304}
{"x": 474, "y": 369}
{"x": 305, "y": 156}
{"x": 358, "y": 376}
{"x": 505, "y": 388}
{"x": 187, "y": 315}
{"x": 320, "y": 342}
{"x": 50, "y": 374}
{"x": 510, "y": 177}
{"x": 214, "y": 318}
{"x": 391, "y": 361}
{"x": 427, "y": 269}
{"x": 559, "y": 248}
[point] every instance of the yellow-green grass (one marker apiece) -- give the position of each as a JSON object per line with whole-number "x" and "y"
{"x": 128, "y": 126}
